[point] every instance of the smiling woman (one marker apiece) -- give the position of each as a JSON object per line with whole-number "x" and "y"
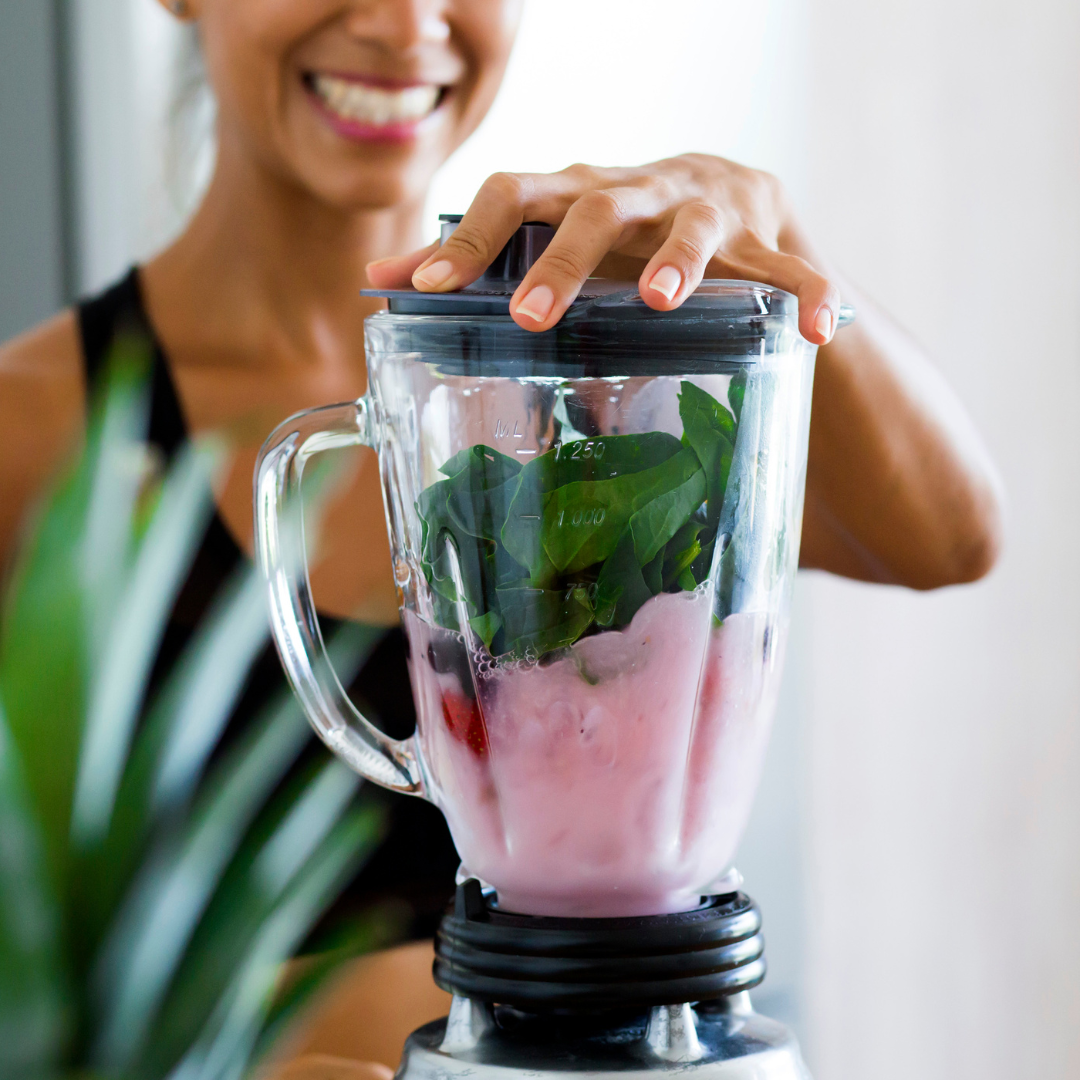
{"x": 333, "y": 116}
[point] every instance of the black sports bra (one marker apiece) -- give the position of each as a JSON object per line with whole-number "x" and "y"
{"x": 415, "y": 865}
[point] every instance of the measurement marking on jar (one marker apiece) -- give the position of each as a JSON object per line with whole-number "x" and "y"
{"x": 529, "y": 453}
{"x": 582, "y": 449}
{"x": 502, "y": 430}
{"x": 594, "y": 516}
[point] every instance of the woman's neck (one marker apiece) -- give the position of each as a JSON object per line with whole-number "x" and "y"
{"x": 267, "y": 268}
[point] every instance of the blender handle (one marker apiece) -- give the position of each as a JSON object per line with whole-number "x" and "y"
{"x": 282, "y": 557}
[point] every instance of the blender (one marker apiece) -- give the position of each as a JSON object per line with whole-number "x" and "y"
{"x": 594, "y": 533}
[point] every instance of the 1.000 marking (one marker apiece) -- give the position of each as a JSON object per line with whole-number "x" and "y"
{"x": 583, "y": 517}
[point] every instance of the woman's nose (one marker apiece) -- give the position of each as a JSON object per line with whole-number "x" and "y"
{"x": 399, "y": 24}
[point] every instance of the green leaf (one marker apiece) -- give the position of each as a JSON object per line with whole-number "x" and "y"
{"x": 584, "y": 461}
{"x": 176, "y": 883}
{"x": 736, "y": 392}
{"x": 621, "y": 587}
{"x": 32, "y": 983}
{"x": 219, "y": 1000}
{"x": 63, "y": 587}
{"x": 658, "y": 521}
{"x": 123, "y": 669}
{"x": 539, "y": 620}
{"x": 699, "y": 410}
{"x": 680, "y": 554}
{"x": 653, "y": 575}
{"x": 486, "y": 626}
{"x": 583, "y": 521}
{"x": 376, "y": 928}
{"x": 43, "y": 659}
{"x": 483, "y": 466}
{"x": 119, "y": 459}
{"x": 710, "y": 429}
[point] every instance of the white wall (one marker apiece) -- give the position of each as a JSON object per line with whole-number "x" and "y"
{"x": 945, "y": 736}
{"x": 131, "y": 194}
{"x": 625, "y": 82}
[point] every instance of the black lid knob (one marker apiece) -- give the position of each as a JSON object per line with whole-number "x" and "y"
{"x": 521, "y": 251}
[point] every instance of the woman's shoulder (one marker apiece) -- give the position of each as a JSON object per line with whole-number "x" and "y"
{"x": 42, "y": 404}
{"x": 47, "y": 355}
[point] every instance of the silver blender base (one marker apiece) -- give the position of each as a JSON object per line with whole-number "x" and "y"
{"x": 725, "y": 1040}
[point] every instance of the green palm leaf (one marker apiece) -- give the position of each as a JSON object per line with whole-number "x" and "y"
{"x": 122, "y": 671}
{"x": 231, "y": 1033}
{"x": 31, "y": 1006}
{"x": 149, "y": 886}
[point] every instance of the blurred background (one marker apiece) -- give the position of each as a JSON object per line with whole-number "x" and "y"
{"x": 916, "y": 844}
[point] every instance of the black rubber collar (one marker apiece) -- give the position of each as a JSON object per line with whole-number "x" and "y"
{"x": 545, "y": 963}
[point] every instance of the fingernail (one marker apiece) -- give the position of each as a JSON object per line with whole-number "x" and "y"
{"x": 667, "y": 281}
{"x": 438, "y": 273}
{"x": 537, "y": 304}
{"x": 824, "y": 324}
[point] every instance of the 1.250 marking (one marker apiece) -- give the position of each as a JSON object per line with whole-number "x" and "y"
{"x": 580, "y": 449}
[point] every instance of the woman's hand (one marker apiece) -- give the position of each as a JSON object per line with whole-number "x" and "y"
{"x": 899, "y": 486}
{"x": 672, "y": 223}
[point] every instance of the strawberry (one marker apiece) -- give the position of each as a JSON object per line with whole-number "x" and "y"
{"x": 464, "y": 722}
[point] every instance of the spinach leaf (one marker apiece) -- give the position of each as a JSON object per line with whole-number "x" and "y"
{"x": 582, "y": 535}
{"x": 658, "y": 521}
{"x": 538, "y": 620}
{"x": 604, "y": 458}
{"x": 486, "y": 627}
{"x": 679, "y": 555}
{"x": 484, "y": 466}
{"x": 582, "y": 522}
{"x": 621, "y": 587}
{"x": 653, "y": 575}
{"x": 481, "y": 486}
{"x": 736, "y": 391}
{"x": 710, "y": 429}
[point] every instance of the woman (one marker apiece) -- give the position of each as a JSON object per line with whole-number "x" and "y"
{"x": 333, "y": 116}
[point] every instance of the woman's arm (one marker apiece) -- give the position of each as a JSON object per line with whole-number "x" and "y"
{"x": 899, "y": 486}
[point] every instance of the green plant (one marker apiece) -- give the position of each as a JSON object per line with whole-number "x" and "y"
{"x": 581, "y": 536}
{"x": 149, "y": 891}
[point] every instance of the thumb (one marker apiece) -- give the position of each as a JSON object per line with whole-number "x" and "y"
{"x": 397, "y": 271}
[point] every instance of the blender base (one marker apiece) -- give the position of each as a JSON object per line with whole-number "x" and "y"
{"x": 549, "y": 997}
{"x": 724, "y": 1040}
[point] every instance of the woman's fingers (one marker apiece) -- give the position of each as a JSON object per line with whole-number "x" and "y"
{"x": 727, "y": 221}
{"x": 676, "y": 270}
{"x": 505, "y": 202}
{"x": 819, "y": 298}
{"x": 591, "y": 228}
{"x": 397, "y": 271}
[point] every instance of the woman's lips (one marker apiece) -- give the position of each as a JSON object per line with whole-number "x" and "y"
{"x": 361, "y": 109}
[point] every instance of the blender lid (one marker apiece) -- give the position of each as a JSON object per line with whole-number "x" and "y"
{"x": 604, "y": 298}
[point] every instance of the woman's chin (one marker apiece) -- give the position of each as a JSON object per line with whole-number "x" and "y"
{"x": 371, "y": 188}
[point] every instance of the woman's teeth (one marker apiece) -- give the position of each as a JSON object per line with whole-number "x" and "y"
{"x": 375, "y": 105}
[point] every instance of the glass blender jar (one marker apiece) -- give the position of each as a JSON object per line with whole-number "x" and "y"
{"x": 594, "y": 533}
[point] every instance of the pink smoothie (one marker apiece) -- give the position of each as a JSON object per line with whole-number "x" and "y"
{"x": 613, "y": 781}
